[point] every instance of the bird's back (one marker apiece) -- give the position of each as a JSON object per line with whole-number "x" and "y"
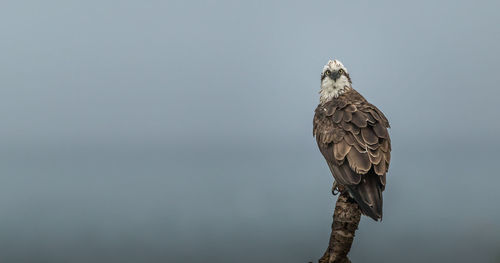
{"x": 352, "y": 136}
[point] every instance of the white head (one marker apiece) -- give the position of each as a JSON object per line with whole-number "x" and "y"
{"x": 335, "y": 80}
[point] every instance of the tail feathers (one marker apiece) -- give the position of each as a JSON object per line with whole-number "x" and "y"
{"x": 368, "y": 195}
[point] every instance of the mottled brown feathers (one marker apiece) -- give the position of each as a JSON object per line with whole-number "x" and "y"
{"x": 351, "y": 124}
{"x": 352, "y": 136}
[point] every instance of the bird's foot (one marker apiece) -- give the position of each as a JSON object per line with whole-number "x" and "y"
{"x": 335, "y": 188}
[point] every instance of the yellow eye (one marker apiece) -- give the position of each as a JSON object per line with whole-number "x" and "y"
{"x": 341, "y": 71}
{"x": 327, "y": 72}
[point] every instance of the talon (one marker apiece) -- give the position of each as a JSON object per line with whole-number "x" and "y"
{"x": 335, "y": 189}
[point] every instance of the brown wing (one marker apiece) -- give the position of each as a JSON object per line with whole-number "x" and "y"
{"x": 356, "y": 132}
{"x": 352, "y": 136}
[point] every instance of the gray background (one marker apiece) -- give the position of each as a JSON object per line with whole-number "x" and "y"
{"x": 181, "y": 131}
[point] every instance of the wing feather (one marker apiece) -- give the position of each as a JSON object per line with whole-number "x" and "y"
{"x": 384, "y": 146}
{"x": 359, "y": 119}
{"x": 343, "y": 175}
{"x": 347, "y": 126}
{"x": 330, "y": 111}
{"x": 358, "y": 161}
{"x": 341, "y": 149}
{"x": 375, "y": 159}
{"x": 381, "y": 168}
{"x": 337, "y": 116}
{"x": 369, "y": 136}
{"x": 380, "y": 130}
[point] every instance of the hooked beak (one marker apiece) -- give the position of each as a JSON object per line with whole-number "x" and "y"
{"x": 335, "y": 75}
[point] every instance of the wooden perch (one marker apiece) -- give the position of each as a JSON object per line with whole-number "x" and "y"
{"x": 345, "y": 222}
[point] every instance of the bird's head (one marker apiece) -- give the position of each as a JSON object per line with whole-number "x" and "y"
{"x": 335, "y": 80}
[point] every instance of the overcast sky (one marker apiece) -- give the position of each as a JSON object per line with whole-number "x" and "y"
{"x": 164, "y": 70}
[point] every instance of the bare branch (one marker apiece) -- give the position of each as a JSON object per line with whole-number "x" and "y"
{"x": 345, "y": 222}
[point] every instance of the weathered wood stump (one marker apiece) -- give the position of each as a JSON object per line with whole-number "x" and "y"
{"x": 345, "y": 222}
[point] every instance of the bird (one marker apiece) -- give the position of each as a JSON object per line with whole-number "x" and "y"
{"x": 352, "y": 135}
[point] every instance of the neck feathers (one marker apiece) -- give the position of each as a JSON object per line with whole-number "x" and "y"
{"x": 332, "y": 92}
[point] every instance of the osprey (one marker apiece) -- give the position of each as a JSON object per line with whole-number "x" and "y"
{"x": 352, "y": 136}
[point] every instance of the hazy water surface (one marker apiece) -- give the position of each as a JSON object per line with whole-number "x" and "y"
{"x": 253, "y": 203}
